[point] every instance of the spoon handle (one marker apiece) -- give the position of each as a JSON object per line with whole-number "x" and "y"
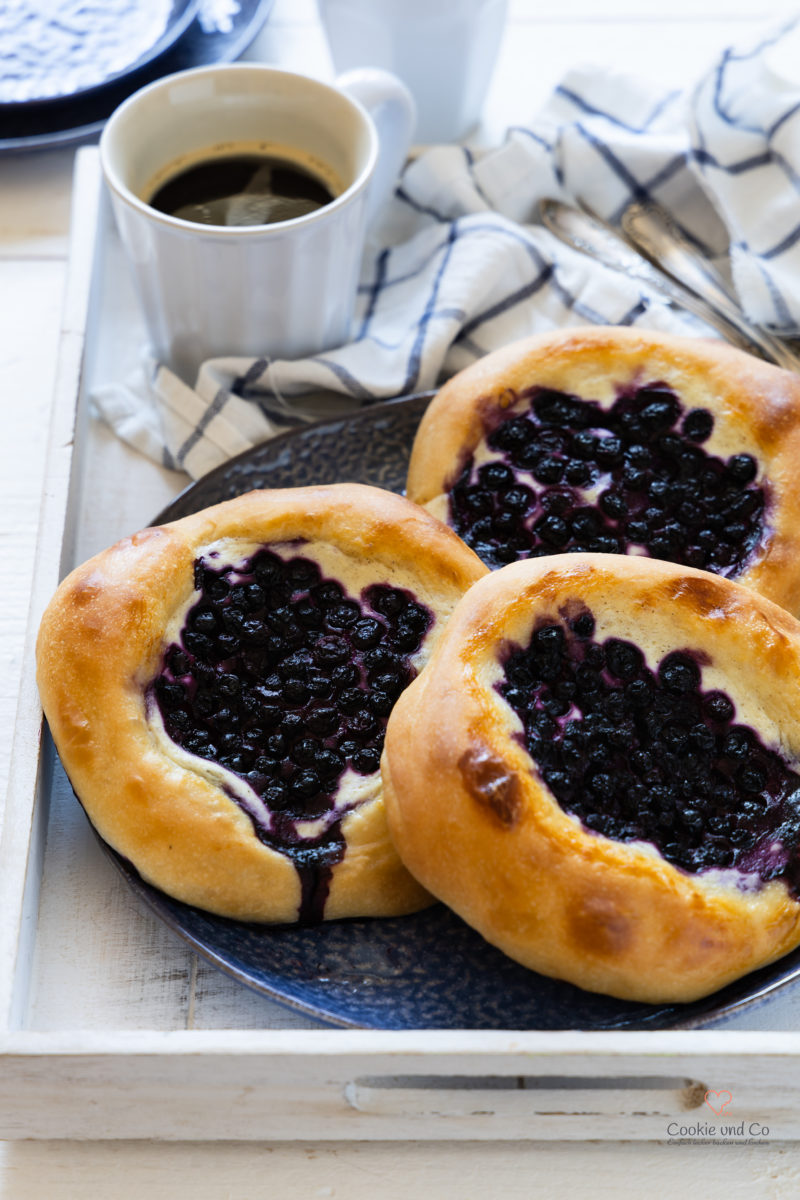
{"x": 591, "y": 235}
{"x": 655, "y": 235}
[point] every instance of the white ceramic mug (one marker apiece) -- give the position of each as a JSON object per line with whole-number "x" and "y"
{"x": 285, "y": 289}
{"x": 443, "y": 50}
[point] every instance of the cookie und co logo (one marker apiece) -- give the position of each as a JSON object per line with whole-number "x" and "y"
{"x": 718, "y": 1101}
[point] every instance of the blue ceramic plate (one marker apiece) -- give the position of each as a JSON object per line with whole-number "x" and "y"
{"x": 429, "y": 970}
{"x": 199, "y": 32}
{"x": 72, "y": 47}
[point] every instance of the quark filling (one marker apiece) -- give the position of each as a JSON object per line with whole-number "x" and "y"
{"x": 647, "y": 754}
{"x": 277, "y": 683}
{"x": 557, "y": 473}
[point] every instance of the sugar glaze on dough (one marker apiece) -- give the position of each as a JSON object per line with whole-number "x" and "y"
{"x": 101, "y": 644}
{"x": 475, "y": 822}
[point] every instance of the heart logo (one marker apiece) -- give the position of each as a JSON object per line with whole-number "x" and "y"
{"x": 718, "y": 1101}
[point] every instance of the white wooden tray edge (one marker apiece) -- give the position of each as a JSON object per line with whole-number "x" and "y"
{"x": 301, "y": 1084}
{"x": 289, "y": 1085}
{"x": 24, "y": 818}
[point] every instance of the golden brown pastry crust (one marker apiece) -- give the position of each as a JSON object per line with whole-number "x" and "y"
{"x": 474, "y": 822}
{"x": 101, "y": 644}
{"x": 756, "y": 408}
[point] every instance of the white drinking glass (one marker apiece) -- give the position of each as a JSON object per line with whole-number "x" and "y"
{"x": 443, "y": 50}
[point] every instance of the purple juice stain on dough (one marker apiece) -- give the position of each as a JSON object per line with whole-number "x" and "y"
{"x": 572, "y": 476}
{"x": 649, "y": 755}
{"x": 286, "y": 680}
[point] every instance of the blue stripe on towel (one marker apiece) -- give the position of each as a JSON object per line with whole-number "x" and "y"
{"x": 786, "y": 243}
{"x": 783, "y": 316}
{"x": 470, "y": 161}
{"x": 637, "y": 190}
{"x": 214, "y": 409}
{"x": 427, "y": 210}
{"x": 532, "y": 135}
{"x": 350, "y": 385}
{"x": 752, "y": 163}
{"x": 782, "y": 119}
{"x": 591, "y": 110}
{"x": 373, "y": 291}
{"x": 510, "y": 301}
{"x": 415, "y": 357}
{"x": 245, "y": 385}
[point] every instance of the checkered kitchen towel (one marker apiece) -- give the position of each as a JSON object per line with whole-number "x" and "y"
{"x": 458, "y": 266}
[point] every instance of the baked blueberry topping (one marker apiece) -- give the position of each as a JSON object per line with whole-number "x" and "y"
{"x": 287, "y": 681}
{"x": 568, "y": 475}
{"x": 642, "y": 754}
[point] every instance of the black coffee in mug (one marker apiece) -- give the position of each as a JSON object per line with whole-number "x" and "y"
{"x": 242, "y": 189}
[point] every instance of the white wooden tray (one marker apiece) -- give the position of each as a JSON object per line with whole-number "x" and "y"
{"x": 109, "y": 1028}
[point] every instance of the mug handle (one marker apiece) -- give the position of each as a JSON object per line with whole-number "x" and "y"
{"x": 391, "y": 107}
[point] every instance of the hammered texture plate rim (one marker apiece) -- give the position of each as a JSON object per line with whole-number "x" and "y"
{"x": 307, "y": 995}
{"x": 326, "y": 426}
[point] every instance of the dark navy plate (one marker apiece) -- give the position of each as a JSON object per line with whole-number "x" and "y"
{"x": 220, "y": 31}
{"x": 73, "y": 47}
{"x": 429, "y": 970}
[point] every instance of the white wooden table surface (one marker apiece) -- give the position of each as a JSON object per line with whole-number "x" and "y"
{"x": 672, "y": 41}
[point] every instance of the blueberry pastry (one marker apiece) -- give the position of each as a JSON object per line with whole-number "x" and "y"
{"x": 599, "y": 770}
{"x": 218, "y": 690}
{"x": 620, "y": 441}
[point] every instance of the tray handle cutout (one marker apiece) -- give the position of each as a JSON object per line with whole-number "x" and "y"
{"x": 533, "y": 1095}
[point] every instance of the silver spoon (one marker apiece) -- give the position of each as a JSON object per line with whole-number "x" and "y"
{"x": 655, "y": 235}
{"x": 588, "y": 233}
